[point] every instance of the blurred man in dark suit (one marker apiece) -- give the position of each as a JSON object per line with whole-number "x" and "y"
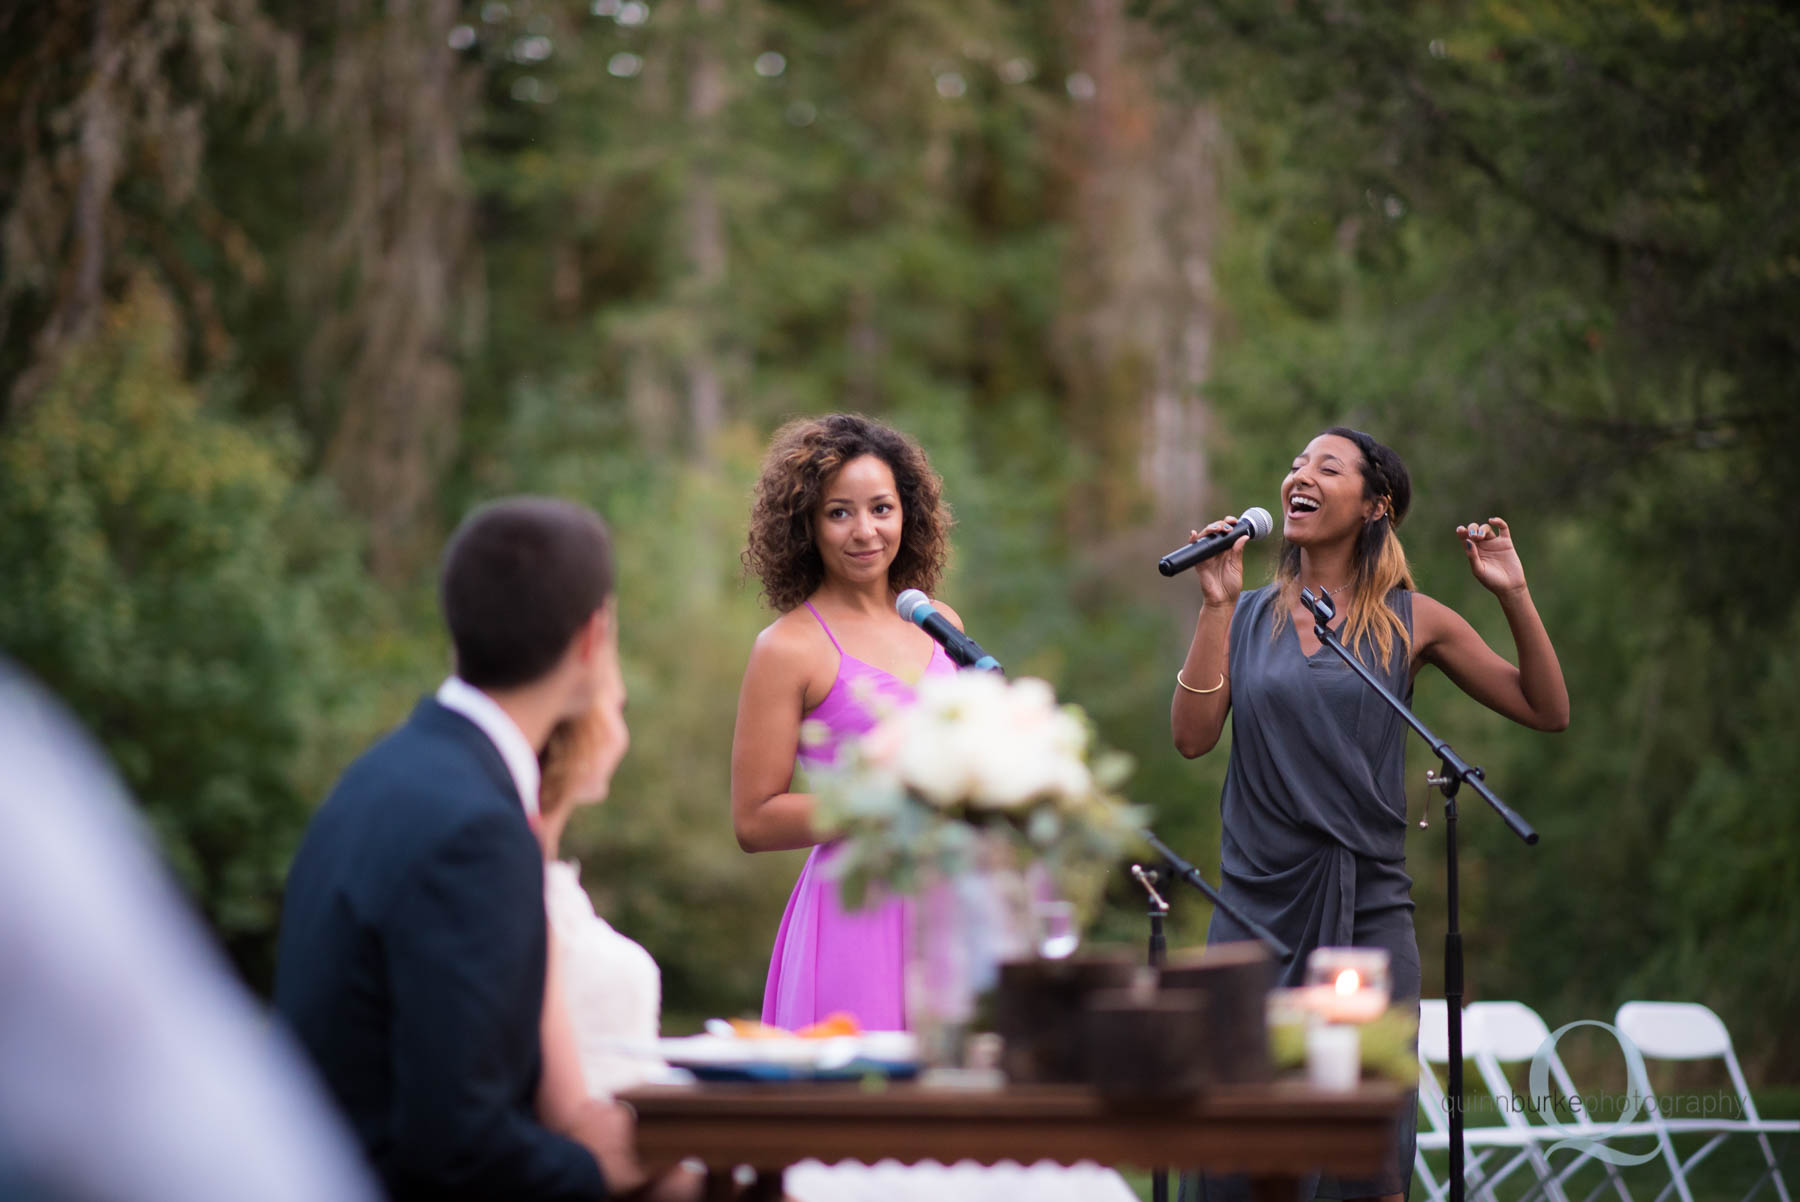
{"x": 412, "y": 950}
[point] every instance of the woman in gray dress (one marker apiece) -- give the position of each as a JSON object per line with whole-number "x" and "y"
{"x": 1314, "y": 806}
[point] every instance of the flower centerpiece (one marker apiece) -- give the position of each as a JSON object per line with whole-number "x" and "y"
{"x": 976, "y": 757}
{"x": 994, "y": 807}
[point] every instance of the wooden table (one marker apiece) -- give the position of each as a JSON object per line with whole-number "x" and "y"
{"x": 1275, "y": 1133}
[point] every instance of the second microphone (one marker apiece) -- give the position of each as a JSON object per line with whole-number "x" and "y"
{"x": 1256, "y": 523}
{"x": 963, "y": 651}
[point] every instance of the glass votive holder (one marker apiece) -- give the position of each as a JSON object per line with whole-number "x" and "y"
{"x": 1057, "y": 934}
{"x": 1334, "y": 1056}
{"x": 1348, "y": 984}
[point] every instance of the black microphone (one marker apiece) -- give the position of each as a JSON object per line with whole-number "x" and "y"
{"x": 916, "y": 608}
{"x": 1256, "y": 522}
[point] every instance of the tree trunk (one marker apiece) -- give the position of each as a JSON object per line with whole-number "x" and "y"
{"x": 705, "y": 229}
{"x": 99, "y": 158}
{"x": 397, "y": 102}
{"x": 1136, "y": 336}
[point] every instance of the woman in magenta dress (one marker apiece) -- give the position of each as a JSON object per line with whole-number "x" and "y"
{"x": 848, "y": 513}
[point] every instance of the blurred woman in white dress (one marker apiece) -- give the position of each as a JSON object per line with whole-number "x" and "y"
{"x": 603, "y": 991}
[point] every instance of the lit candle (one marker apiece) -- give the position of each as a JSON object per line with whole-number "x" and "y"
{"x": 1349, "y": 984}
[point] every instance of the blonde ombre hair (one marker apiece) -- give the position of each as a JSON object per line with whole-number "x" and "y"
{"x": 1378, "y": 562}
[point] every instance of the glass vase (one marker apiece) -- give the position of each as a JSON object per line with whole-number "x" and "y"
{"x": 964, "y": 926}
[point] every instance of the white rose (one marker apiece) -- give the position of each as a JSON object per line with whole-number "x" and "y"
{"x": 976, "y": 738}
{"x": 1010, "y": 774}
{"x": 923, "y": 765}
{"x": 1034, "y": 750}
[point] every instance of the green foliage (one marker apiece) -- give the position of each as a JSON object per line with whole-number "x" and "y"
{"x": 1547, "y": 251}
{"x": 169, "y": 577}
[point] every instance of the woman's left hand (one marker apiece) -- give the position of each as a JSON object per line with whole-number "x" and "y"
{"x": 1492, "y": 557}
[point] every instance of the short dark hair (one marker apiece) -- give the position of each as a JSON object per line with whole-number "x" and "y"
{"x": 519, "y": 578}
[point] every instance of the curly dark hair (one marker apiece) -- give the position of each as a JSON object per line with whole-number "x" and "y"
{"x": 805, "y": 454}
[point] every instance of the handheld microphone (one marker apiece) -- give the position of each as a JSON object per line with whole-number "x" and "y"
{"x": 964, "y": 651}
{"x": 1256, "y": 522}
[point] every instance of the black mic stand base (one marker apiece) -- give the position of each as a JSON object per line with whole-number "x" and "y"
{"x": 1159, "y": 1178}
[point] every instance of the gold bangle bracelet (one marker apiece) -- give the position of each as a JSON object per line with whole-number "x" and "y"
{"x": 1203, "y": 692}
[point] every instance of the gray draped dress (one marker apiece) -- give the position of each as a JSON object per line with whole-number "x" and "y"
{"x": 1314, "y": 823}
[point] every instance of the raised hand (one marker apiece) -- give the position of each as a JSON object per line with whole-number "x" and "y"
{"x": 1493, "y": 559}
{"x": 1222, "y": 576}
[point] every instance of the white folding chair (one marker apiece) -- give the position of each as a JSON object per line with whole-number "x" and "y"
{"x": 1490, "y": 1154}
{"x": 1690, "y": 1031}
{"x": 1503, "y": 1033}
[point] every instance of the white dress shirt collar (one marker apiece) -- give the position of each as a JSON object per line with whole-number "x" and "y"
{"x": 521, "y": 761}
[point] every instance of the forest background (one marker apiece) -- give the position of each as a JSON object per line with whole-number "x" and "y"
{"x": 286, "y": 287}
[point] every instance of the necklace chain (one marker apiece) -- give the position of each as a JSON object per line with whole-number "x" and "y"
{"x": 1332, "y": 592}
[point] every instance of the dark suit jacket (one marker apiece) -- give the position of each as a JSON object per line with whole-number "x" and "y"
{"x": 412, "y": 968}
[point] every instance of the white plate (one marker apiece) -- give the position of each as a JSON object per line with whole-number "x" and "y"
{"x": 889, "y": 1047}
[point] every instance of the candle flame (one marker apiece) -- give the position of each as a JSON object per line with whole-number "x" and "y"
{"x": 1348, "y": 982}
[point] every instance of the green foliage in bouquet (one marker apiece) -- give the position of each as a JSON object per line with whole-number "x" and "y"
{"x": 932, "y": 785}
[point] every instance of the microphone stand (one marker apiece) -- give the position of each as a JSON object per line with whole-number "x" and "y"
{"x": 1159, "y": 1178}
{"x": 1183, "y": 870}
{"x": 1179, "y": 869}
{"x": 1158, "y": 910}
{"x": 1456, "y": 772}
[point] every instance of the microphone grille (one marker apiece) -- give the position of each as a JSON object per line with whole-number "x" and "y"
{"x": 909, "y": 601}
{"x": 1260, "y": 521}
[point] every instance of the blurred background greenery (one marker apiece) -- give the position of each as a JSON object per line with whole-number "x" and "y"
{"x": 286, "y": 287}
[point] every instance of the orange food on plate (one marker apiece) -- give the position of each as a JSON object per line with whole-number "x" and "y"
{"x": 838, "y": 1023}
{"x": 832, "y": 1026}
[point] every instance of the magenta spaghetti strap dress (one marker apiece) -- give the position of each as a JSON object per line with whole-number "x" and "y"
{"x": 826, "y": 959}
